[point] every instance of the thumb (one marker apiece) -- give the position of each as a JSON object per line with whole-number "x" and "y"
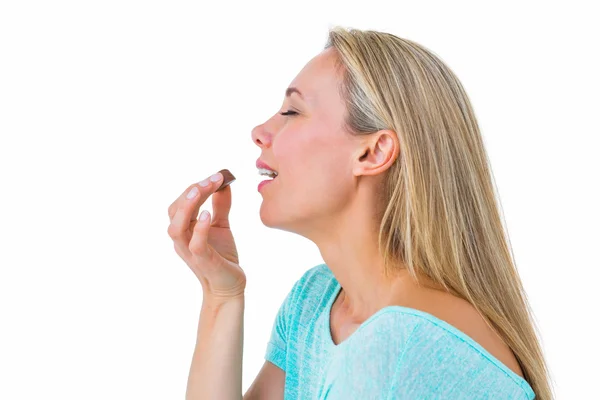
{"x": 221, "y": 204}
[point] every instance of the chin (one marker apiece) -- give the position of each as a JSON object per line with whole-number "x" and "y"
{"x": 266, "y": 216}
{"x": 271, "y": 220}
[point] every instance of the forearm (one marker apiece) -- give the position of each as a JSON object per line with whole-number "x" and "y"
{"x": 216, "y": 370}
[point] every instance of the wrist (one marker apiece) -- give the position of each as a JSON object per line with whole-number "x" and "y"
{"x": 212, "y": 299}
{"x": 220, "y": 295}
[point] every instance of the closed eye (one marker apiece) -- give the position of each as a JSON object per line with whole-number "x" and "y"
{"x": 290, "y": 112}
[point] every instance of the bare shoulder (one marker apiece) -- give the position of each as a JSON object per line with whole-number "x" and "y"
{"x": 463, "y": 316}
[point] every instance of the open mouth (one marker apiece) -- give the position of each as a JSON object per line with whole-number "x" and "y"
{"x": 268, "y": 173}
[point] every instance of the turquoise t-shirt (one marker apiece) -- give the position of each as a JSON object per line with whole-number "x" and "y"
{"x": 397, "y": 353}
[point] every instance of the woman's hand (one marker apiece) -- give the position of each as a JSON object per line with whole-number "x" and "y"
{"x": 207, "y": 247}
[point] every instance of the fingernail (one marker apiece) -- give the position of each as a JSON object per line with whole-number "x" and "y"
{"x": 204, "y": 183}
{"x": 216, "y": 177}
{"x": 203, "y": 215}
{"x": 192, "y": 193}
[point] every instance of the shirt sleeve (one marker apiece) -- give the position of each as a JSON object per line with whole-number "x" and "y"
{"x": 277, "y": 345}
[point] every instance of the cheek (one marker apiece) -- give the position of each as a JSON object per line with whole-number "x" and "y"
{"x": 320, "y": 180}
{"x": 313, "y": 163}
{"x": 296, "y": 155}
{"x": 331, "y": 183}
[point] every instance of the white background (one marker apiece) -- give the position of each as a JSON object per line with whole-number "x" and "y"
{"x": 110, "y": 109}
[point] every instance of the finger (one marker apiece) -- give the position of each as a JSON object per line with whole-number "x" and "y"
{"x": 178, "y": 230}
{"x": 182, "y": 249}
{"x": 203, "y": 190}
{"x": 180, "y": 222}
{"x": 221, "y": 205}
{"x": 175, "y": 205}
{"x": 207, "y": 187}
{"x": 198, "y": 243}
{"x": 187, "y": 210}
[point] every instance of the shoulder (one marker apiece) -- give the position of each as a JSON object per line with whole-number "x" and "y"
{"x": 453, "y": 342}
{"x": 313, "y": 280}
{"x": 316, "y": 273}
{"x": 408, "y": 353}
{"x": 310, "y": 287}
{"x": 436, "y": 348}
{"x": 461, "y": 319}
{"x": 423, "y": 354}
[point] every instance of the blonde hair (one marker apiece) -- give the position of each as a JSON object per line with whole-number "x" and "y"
{"x": 439, "y": 215}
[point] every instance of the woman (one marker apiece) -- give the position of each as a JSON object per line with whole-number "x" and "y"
{"x": 380, "y": 163}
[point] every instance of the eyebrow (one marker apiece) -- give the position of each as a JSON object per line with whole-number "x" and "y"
{"x": 290, "y": 90}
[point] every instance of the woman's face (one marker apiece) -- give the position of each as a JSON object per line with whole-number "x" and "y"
{"x": 310, "y": 151}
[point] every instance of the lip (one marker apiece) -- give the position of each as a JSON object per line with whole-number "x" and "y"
{"x": 263, "y": 183}
{"x": 261, "y": 164}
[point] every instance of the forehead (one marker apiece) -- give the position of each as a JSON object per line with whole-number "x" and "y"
{"x": 318, "y": 81}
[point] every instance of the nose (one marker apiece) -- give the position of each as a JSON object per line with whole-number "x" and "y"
{"x": 260, "y": 136}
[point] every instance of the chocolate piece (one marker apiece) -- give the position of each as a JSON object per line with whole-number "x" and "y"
{"x": 227, "y": 178}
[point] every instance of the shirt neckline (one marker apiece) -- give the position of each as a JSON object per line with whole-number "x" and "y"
{"x": 430, "y": 318}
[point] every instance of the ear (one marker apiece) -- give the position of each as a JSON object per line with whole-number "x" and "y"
{"x": 376, "y": 153}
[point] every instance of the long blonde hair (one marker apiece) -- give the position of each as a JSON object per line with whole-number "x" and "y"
{"x": 439, "y": 215}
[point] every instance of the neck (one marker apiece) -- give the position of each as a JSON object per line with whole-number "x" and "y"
{"x": 351, "y": 252}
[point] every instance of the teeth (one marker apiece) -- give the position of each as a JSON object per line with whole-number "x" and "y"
{"x": 267, "y": 172}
